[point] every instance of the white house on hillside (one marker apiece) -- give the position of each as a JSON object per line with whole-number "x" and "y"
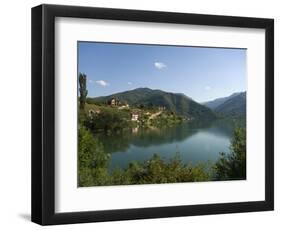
{"x": 135, "y": 117}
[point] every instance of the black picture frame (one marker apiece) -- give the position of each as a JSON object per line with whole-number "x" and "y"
{"x": 43, "y": 114}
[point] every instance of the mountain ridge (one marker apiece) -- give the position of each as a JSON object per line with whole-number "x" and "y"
{"x": 212, "y": 104}
{"x": 178, "y": 103}
{"x": 233, "y": 106}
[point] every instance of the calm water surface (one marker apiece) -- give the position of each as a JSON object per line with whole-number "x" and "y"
{"x": 195, "y": 143}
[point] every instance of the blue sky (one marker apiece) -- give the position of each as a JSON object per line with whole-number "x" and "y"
{"x": 200, "y": 73}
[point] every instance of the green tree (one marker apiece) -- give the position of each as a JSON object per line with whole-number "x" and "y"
{"x": 233, "y": 165}
{"x": 92, "y": 159}
{"x": 83, "y": 89}
{"x": 156, "y": 170}
{"x": 109, "y": 119}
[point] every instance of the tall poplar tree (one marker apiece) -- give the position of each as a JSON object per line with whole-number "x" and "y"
{"x": 83, "y": 89}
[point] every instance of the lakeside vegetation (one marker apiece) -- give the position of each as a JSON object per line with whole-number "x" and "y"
{"x": 93, "y": 165}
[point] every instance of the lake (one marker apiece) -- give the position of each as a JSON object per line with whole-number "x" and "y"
{"x": 194, "y": 143}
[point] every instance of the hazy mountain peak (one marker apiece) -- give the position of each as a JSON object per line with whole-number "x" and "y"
{"x": 213, "y": 104}
{"x": 233, "y": 105}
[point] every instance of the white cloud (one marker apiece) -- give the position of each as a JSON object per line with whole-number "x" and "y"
{"x": 130, "y": 83}
{"x": 102, "y": 83}
{"x": 91, "y": 81}
{"x": 159, "y": 65}
{"x": 207, "y": 87}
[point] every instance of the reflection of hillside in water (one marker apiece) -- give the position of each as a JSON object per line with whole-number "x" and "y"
{"x": 221, "y": 129}
{"x": 158, "y": 136}
{"x": 145, "y": 137}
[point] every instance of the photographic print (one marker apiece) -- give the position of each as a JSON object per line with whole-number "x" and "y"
{"x": 177, "y": 108}
{"x": 153, "y": 114}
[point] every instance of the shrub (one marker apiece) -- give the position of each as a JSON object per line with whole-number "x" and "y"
{"x": 233, "y": 166}
{"x": 92, "y": 160}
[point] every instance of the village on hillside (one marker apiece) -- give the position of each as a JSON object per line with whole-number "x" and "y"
{"x": 120, "y": 115}
{"x": 135, "y": 113}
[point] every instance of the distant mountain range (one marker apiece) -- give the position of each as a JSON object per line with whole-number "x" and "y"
{"x": 232, "y": 106}
{"x": 175, "y": 102}
{"x": 216, "y": 102}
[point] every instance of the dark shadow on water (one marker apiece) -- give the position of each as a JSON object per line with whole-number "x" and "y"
{"x": 145, "y": 137}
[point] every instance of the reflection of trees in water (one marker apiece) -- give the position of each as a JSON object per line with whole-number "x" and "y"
{"x": 115, "y": 141}
{"x": 222, "y": 128}
{"x": 144, "y": 137}
{"x": 148, "y": 137}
